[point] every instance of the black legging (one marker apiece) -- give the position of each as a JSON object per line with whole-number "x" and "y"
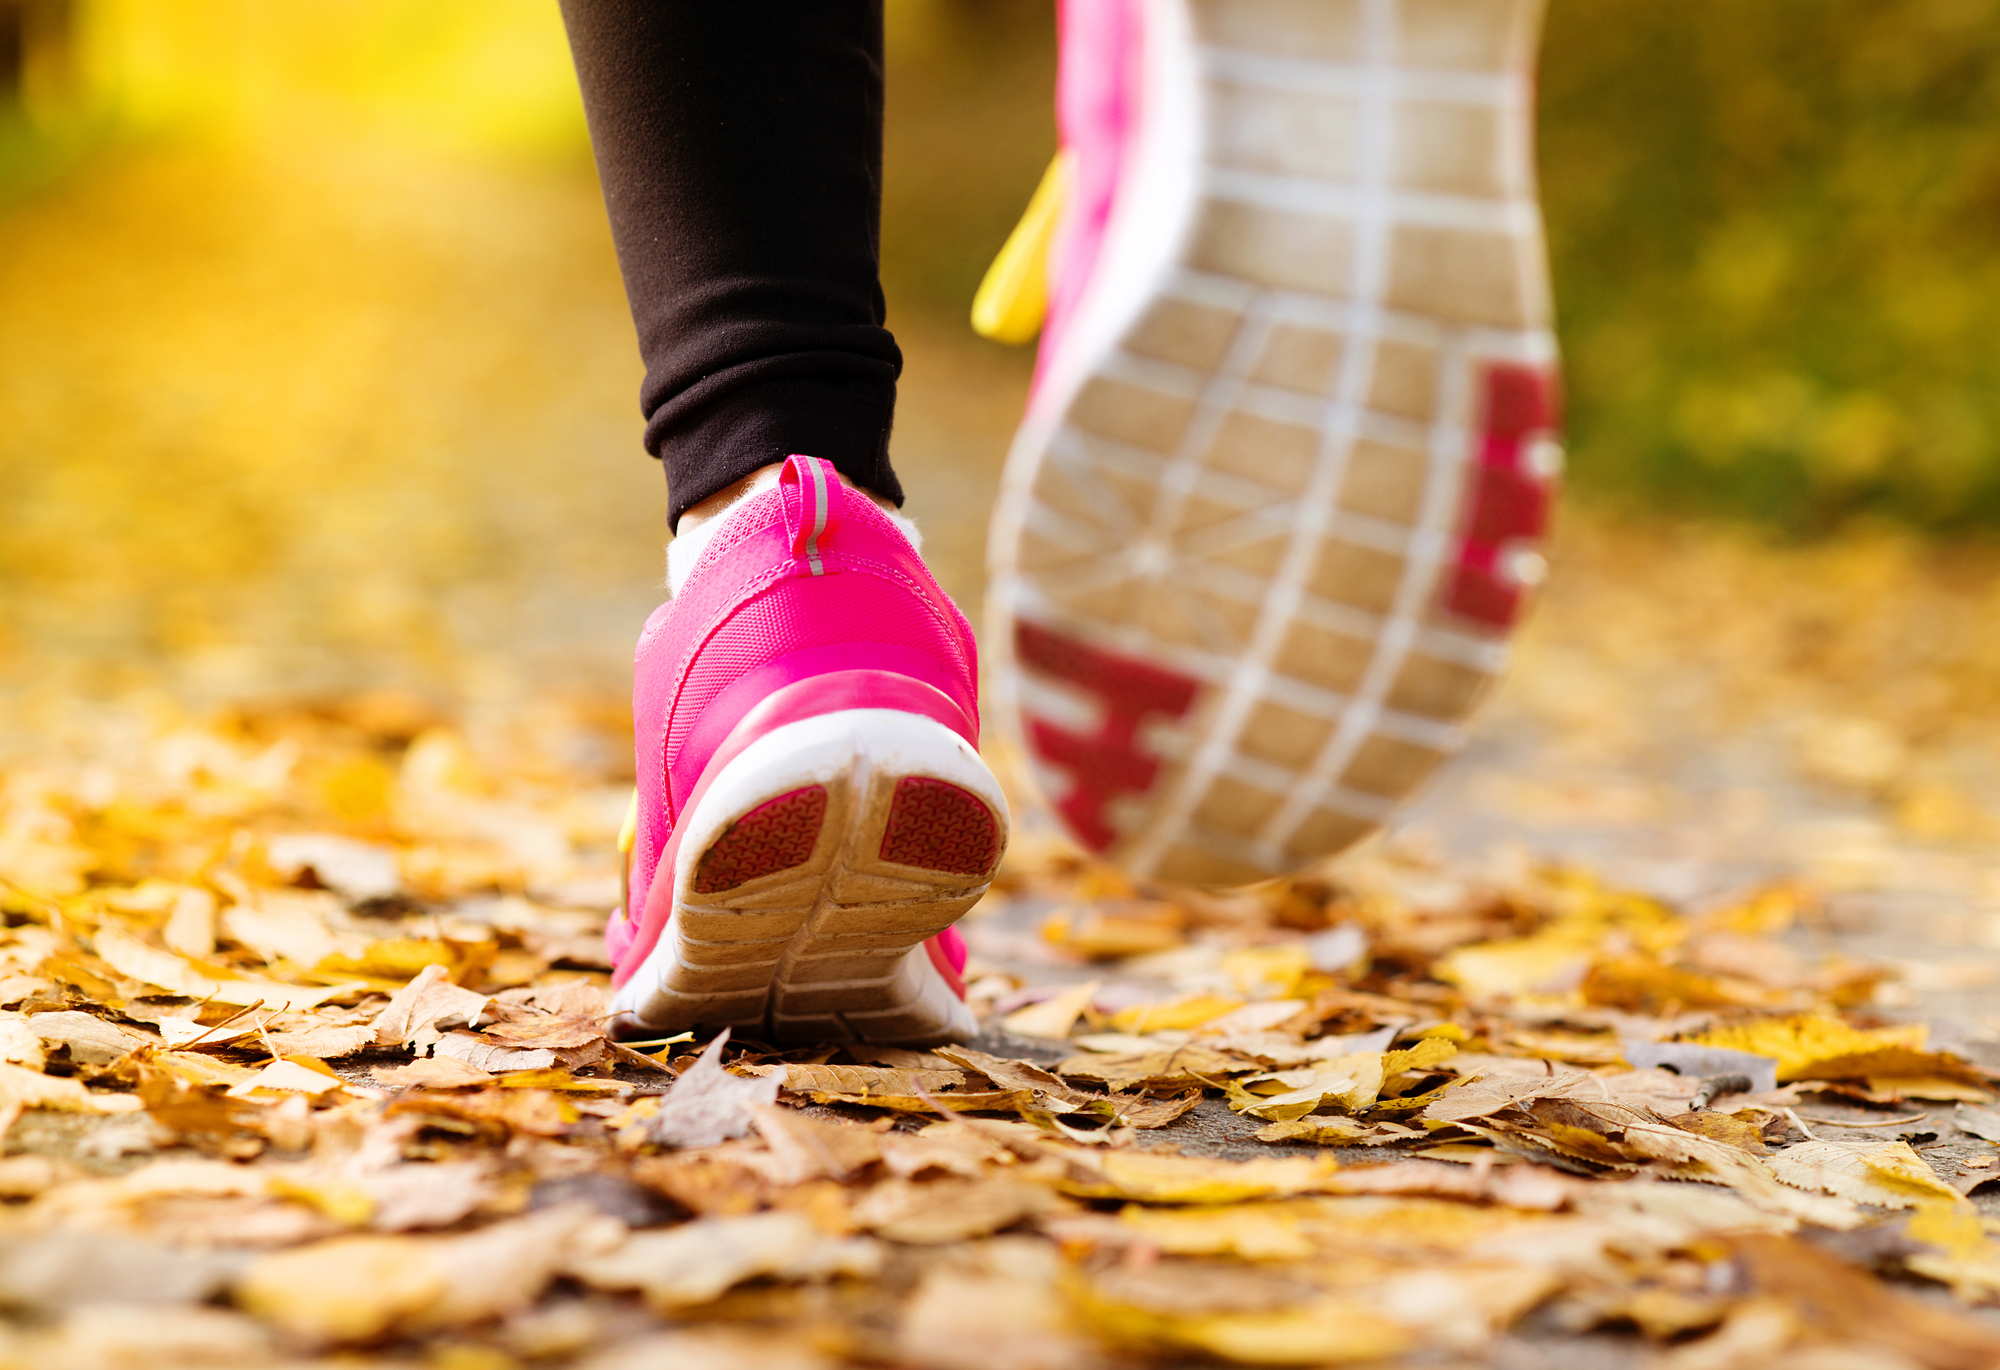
{"x": 740, "y": 146}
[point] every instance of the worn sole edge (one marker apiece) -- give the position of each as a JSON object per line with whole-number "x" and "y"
{"x": 857, "y": 756}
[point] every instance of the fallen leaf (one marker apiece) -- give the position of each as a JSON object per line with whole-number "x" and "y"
{"x": 808, "y": 1148}
{"x": 865, "y": 1080}
{"x": 1175, "y": 1307}
{"x": 1814, "y": 1047}
{"x": 129, "y": 956}
{"x": 90, "y": 1040}
{"x": 1053, "y": 1017}
{"x": 354, "y": 1289}
{"x": 1982, "y": 1123}
{"x": 1193, "y": 1011}
{"x": 699, "y": 1261}
{"x": 576, "y": 997}
{"x": 22, "y": 1089}
{"x": 1158, "y": 1177}
{"x": 708, "y": 1104}
{"x": 348, "y": 1289}
{"x": 1698, "y": 1062}
{"x": 1019, "y": 1075}
{"x": 1163, "y": 1068}
{"x": 710, "y": 1348}
{"x": 934, "y": 1212}
{"x": 416, "y": 1012}
{"x": 359, "y": 871}
{"x": 1889, "y": 1173}
{"x": 995, "y": 1305}
{"x": 481, "y": 1053}
{"x": 1325, "y": 1130}
{"x": 1722, "y": 1127}
{"x": 288, "y": 1076}
{"x": 554, "y": 1033}
{"x": 1143, "y": 1111}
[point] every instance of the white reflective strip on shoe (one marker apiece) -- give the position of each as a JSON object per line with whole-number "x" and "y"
{"x": 819, "y": 516}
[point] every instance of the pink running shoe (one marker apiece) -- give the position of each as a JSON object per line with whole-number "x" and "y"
{"x": 813, "y": 814}
{"x": 1280, "y": 494}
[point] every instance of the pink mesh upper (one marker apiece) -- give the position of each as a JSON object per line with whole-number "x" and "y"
{"x": 754, "y": 602}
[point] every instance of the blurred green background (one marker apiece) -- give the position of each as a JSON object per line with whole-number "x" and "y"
{"x": 314, "y": 363}
{"x": 1775, "y": 230}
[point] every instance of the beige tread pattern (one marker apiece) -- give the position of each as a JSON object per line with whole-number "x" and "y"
{"x": 1265, "y": 485}
{"x": 827, "y": 950}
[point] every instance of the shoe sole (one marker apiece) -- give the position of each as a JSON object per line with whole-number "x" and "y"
{"x": 810, "y": 874}
{"x": 1279, "y": 496}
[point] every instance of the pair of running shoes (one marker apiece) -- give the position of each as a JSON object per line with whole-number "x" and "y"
{"x": 1273, "y": 510}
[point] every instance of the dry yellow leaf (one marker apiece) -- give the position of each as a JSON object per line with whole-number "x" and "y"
{"x": 1890, "y": 1174}
{"x": 1814, "y": 1047}
{"x": 1160, "y": 1177}
{"x": 1321, "y": 1332}
{"x": 348, "y": 1289}
{"x": 1053, "y": 1017}
{"x": 1268, "y": 972}
{"x": 1190, "y": 1012}
{"x": 127, "y": 955}
{"x": 1253, "y": 1231}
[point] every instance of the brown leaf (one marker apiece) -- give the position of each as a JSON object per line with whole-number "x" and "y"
{"x": 323, "y": 1042}
{"x": 954, "y": 1101}
{"x": 91, "y": 1040}
{"x": 809, "y": 1148}
{"x": 354, "y": 1289}
{"x": 131, "y": 957}
{"x": 429, "y": 1002}
{"x": 1169, "y": 1068}
{"x": 432, "y": 1072}
{"x": 933, "y": 1212}
{"x": 699, "y": 1261}
{"x": 942, "y": 1146}
{"x": 1142, "y": 1111}
{"x": 1722, "y": 1127}
{"x": 577, "y": 997}
{"x": 1841, "y": 1303}
{"x": 1015, "y": 1074}
{"x": 708, "y": 1104}
{"x": 1516, "y": 1186}
{"x": 482, "y": 1054}
{"x": 864, "y": 1080}
{"x": 554, "y": 1033}
{"x": 537, "y": 1112}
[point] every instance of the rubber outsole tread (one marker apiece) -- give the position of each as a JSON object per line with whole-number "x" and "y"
{"x": 775, "y": 836}
{"x": 805, "y": 917}
{"x": 935, "y": 825}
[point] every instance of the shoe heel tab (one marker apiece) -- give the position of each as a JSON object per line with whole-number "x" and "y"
{"x": 813, "y": 498}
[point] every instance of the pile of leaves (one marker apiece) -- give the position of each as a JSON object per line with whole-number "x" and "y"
{"x": 302, "y": 1056}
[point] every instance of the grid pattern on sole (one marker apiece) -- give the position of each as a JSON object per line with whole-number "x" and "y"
{"x": 934, "y": 825}
{"x": 1311, "y": 480}
{"x": 775, "y": 836}
{"x": 820, "y": 948}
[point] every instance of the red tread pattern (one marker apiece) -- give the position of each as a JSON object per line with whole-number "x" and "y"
{"x": 939, "y": 827}
{"x": 775, "y": 836}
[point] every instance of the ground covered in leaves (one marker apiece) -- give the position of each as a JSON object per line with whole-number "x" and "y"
{"x": 300, "y": 1014}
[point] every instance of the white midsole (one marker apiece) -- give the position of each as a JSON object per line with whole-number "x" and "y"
{"x": 841, "y": 751}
